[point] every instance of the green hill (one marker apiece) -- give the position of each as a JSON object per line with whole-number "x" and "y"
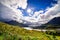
{"x": 10, "y": 32}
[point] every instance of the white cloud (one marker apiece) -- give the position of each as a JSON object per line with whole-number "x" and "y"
{"x": 47, "y": 16}
{"x": 15, "y": 3}
{"x": 30, "y": 19}
{"x": 50, "y": 13}
{"x": 9, "y": 11}
{"x": 37, "y": 13}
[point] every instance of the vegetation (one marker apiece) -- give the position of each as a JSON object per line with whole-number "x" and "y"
{"x": 10, "y": 32}
{"x": 51, "y": 26}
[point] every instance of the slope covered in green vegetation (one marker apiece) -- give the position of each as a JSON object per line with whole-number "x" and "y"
{"x": 10, "y": 32}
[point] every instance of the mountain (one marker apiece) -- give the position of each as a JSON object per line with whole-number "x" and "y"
{"x": 16, "y": 23}
{"x": 53, "y": 24}
{"x": 55, "y": 21}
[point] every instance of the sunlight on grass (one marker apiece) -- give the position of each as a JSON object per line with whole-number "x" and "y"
{"x": 10, "y": 32}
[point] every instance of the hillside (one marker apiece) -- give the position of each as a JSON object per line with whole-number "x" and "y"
{"x": 10, "y": 32}
{"x": 52, "y": 24}
{"x": 55, "y": 21}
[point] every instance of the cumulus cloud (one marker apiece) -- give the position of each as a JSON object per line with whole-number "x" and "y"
{"x": 52, "y": 12}
{"x": 8, "y": 9}
{"x": 15, "y": 3}
{"x": 49, "y": 14}
{"x": 38, "y": 13}
{"x": 41, "y": 18}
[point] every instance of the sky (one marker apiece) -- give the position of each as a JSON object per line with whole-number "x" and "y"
{"x": 36, "y": 5}
{"x": 32, "y": 12}
{"x": 40, "y": 4}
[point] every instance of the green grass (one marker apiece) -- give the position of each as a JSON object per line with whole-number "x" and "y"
{"x": 1, "y": 37}
{"x": 10, "y": 32}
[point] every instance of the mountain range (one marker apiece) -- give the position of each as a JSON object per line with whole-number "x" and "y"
{"x": 55, "y": 21}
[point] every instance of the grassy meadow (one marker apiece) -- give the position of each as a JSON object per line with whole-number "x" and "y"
{"x": 10, "y": 32}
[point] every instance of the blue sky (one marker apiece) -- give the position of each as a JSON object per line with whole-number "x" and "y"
{"x": 31, "y": 11}
{"x": 38, "y": 5}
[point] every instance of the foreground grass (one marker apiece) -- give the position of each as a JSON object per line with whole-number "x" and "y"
{"x": 1, "y": 37}
{"x": 10, "y": 32}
